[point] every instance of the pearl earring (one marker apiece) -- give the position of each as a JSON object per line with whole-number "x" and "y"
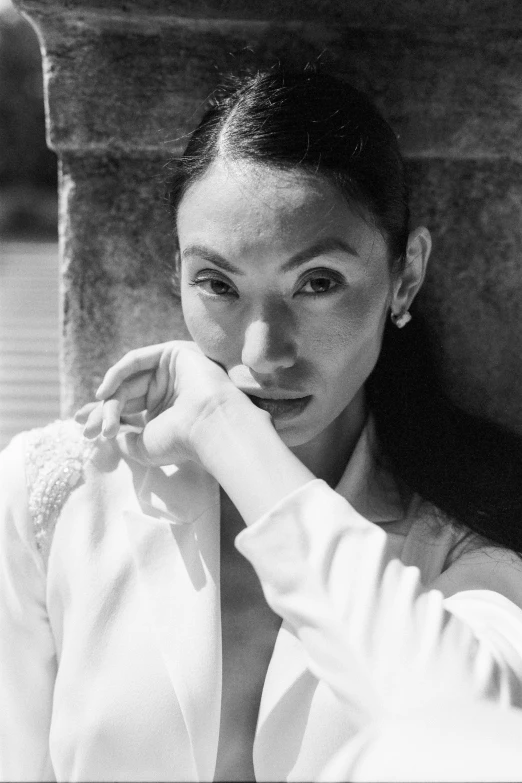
{"x": 400, "y": 319}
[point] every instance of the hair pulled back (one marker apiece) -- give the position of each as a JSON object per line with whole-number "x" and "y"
{"x": 312, "y": 122}
{"x": 469, "y": 468}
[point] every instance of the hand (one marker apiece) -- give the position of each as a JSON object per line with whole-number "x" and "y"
{"x": 180, "y": 391}
{"x": 191, "y": 410}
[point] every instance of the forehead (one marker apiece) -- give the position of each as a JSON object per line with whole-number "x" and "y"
{"x": 238, "y": 205}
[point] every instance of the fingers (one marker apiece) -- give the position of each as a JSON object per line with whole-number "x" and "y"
{"x": 111, "y": 414}
{"x": 136, "y": 361}
{"x": 133, "y": 415}
{"x": 82, "y": 414}
{"x": 104, "y": 417}
{"x": 94, "y": 421}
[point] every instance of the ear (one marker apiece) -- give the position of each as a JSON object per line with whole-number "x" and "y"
{"x": 409, "y": 281}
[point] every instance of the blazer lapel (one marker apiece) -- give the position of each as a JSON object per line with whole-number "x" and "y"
{"x": 174, "y": 538}
{"x": 275, "y": 751}
{"x": 287, "y": 664}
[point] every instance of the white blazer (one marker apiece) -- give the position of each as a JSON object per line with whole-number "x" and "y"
{"x": 110, "y": 639}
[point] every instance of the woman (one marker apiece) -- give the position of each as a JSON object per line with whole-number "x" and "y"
{"x": 303, "y": 410}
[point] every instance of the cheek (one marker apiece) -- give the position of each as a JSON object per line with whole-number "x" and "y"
{"x": 355, "y": 321}
{"x": 345, "y": 344}
{"x": 209, "y": 334}
{"x": 341, "y": 342}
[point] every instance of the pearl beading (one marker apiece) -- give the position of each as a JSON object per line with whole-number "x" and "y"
{"x": 56, "y": 456}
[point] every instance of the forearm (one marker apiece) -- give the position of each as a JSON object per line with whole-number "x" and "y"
{"x": 370, "y": 629}
{"x": 239, "y": 446}
{"x": 385, "y": 644}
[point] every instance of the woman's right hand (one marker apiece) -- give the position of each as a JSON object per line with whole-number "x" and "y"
{"x": 179, "y": 390}
{"x": 194, "y": 412}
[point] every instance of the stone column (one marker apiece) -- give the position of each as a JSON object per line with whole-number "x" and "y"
{"x": 125, "y": 81}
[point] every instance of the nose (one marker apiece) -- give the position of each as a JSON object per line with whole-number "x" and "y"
{"x": 269, "y": 341}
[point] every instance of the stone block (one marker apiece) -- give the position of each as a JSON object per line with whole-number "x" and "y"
{"x": 488, "y": 14}
{"x": 473, "y": 291}
{"x": 118, "y": 275}
{"x": 139, "y": 89}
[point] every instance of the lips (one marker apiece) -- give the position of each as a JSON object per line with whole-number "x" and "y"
{"x": 281, "y": 408}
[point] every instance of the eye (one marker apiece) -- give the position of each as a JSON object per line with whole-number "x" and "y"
{"x": 321, "y": 283}
{"x": 213, "y": 286}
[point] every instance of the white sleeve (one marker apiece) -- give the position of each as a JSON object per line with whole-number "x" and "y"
{"x": 27, "y": 653}
{"x": 384, "y": 643}
{"x": 448, "y": 743}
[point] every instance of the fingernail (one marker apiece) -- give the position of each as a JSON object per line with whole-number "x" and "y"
{"x": 89, "y": 434}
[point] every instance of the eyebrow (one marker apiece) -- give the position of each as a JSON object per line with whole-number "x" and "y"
{"x": 327, "y": 245}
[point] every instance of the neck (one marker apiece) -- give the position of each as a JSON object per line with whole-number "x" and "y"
{"x": 327, "y": 455}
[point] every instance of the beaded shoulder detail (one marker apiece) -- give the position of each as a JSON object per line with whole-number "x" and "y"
{"x": 55, "y": 459}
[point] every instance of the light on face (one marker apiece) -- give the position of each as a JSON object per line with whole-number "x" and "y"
{"x": 283, "y": 285}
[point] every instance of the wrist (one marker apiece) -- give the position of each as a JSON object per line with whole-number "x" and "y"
{"x": 225, "y": 425}
{"x": 240, "y": 447}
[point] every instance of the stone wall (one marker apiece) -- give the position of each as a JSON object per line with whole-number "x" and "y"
{"x": 126, "y": 81}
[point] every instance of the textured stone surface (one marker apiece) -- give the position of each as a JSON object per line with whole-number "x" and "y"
{"x": 111, "y": 87}
{"x": 118, "y": 267}
{"x": 473, "y": 290}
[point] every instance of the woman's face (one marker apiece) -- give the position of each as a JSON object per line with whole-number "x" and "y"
{"x": 286, "y": 288}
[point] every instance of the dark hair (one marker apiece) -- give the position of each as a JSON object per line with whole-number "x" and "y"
{"x": 469, "y": 468}
{"x": 309, "y": 121}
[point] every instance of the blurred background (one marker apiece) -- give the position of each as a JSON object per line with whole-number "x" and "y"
{"x": 29, "y": 327}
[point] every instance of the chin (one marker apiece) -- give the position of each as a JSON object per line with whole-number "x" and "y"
{"x": 293, "y": 436}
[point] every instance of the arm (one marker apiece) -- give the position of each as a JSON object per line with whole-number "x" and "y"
{"x": 27, "y": 655}
{"x": 382, "y": 641}
{"x": 449, "y": 742}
